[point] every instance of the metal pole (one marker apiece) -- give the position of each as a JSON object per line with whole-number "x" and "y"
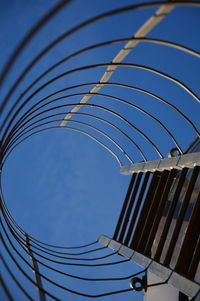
{"x": 148, "y": 26}
{"x": 36, "y": 271}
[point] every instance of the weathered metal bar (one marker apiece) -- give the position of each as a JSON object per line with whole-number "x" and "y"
{"x": 155, "y": 19}
{"x": 36, "y": 271}
{"x": 188, "y": 160}
{"x": 183, "y": 284}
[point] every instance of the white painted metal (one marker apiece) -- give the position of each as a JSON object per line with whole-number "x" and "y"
{"x": 188, "y": 160}
{"x": 155, "y": 19}
{"x": 178, "y": 281}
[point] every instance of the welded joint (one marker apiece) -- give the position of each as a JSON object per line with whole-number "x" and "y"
{"x": 114, "y": 245}
{"x": 104, "y": 240}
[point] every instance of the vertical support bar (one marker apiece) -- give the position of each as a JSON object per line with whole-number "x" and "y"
{"x": 144, "y": 212}
{"x": 194, "y": 261}
{"x": 36, "y": 271}
{"x": 125, "y": 204}
{"x": 130, "y": 206}
{"x": 159, "y": 211}
{"x": 10, "y": 298}
{"x": 152, "y": 209}
{"x": 190, "y": 241}
{"x": 170, "y": 214}
{"x": 181, "y": 216}
{"x": 137, "y": 208}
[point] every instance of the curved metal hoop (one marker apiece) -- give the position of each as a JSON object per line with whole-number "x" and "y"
{"x": 31, "y": 106}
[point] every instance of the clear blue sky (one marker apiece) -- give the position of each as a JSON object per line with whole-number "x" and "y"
{"x": 60, "y": 186}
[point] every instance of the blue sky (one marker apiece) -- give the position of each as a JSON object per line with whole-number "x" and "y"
{"x": 60, "y": 186}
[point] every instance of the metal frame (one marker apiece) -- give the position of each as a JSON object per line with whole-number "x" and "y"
{"x": 188, "y": 287}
